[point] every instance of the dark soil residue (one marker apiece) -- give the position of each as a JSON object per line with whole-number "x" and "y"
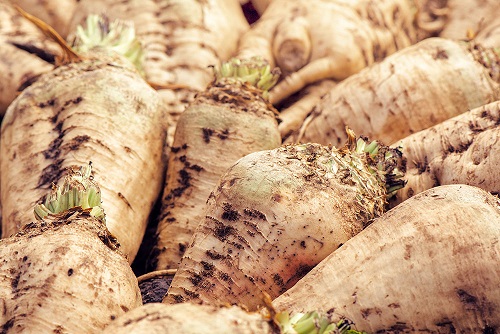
{"x": 154, "y": 289}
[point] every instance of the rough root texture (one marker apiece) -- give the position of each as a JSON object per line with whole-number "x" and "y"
{"x": 74, "y": 215}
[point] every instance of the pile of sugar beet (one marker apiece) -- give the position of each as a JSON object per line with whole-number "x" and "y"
{"x": 259, "y": 166}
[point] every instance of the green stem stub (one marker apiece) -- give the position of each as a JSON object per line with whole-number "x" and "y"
{"x": 77, "y": 190}
{"x": 255, "y": 71}
{"x": 118, "y": 36}
{"x": 375, "y": 169}
{"x": 313, "y": 323}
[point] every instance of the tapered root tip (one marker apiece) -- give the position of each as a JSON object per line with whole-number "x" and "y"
{"x": 292, "y": 45}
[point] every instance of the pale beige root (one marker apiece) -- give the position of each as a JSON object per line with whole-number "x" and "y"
{"x": 226, "y": 122}
{"x": 193, "y": 36}
{"x": 431, "y": 17}
{"x": 292, "y": 47}
{"x": 262, "y": 202}
{"x": 175, "y": 101}
{"x": 260, "y": 5}
{"x": 363, "y": 32}
{"x": 256, "y": 41}
{"x": 25, "y": 52}
{"x": 181, "y": 40}
{"x": 148, "y": 28}
{"x": 428, "y": 265}
{"x": 489, "y": 35}
{"x": 293, "y": 115}
{"x": 207, "y": 31}
{"x": 17, "y": 67}
{"x": 158, "y": 273}
{"x": 464, "y": 149}
{"x": 64, "y": 275}
{"x": 187, "y": 318}
{"x": 273, "y": 216}
{"x": 465, "y": 18}
{"x": 97, "y": 110}
{"x": 56, "y": 13}
{"x": 409, "y": 91}
{"x": 318, "y": 70}
{"x": 198, "y": 35}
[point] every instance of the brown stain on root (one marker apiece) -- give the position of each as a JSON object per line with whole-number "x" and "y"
{"x": 48, "y": 103}
{"x": 176, "y": 149}
{"x": 15, "y": 282}
{"x": 223, "y": 135}
{"x": 8, "y": 325}
{"x": 399, "y": 327}
{"x": 255, "y": 214}
{"x": 208, "y": 133}
{"x": 229, "y": 213}
{"x": 473, "y": 303}
{"x": 278, "y": 280}
{"x": 226, "y": 233}
{"x": 440, "y": 54}
{"x": 178, "y": 299}
{"x": 225, "y": 277}
{"x": 191, "y": 294}
{"x": 122, "y": 197}
{"x": 183, "y": 182}
{"x": 58, "y": 330}
{"x": 300, "y": 272}
{"x": 182, "y": 248}
{"x": 446, "y": 323}
{"x": 367, "y": 312}
{"x": 276, "y": 198}
{"x": 220, "y": 230}
{"x": 490, "y": 117}
{"x": 237, "y": 96}
{"x": 202, "y": 277}
{"x": 50, "y": 174}
{"x": 422, "y": 166}
{"x": 76, "y": 142}
{"x": 198, "y": 279}
{"x": 56, "y": 151}
{"x": 53, "y": 172}
{"x": 214, "y": 255}
{"x": 407, "y": 254}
